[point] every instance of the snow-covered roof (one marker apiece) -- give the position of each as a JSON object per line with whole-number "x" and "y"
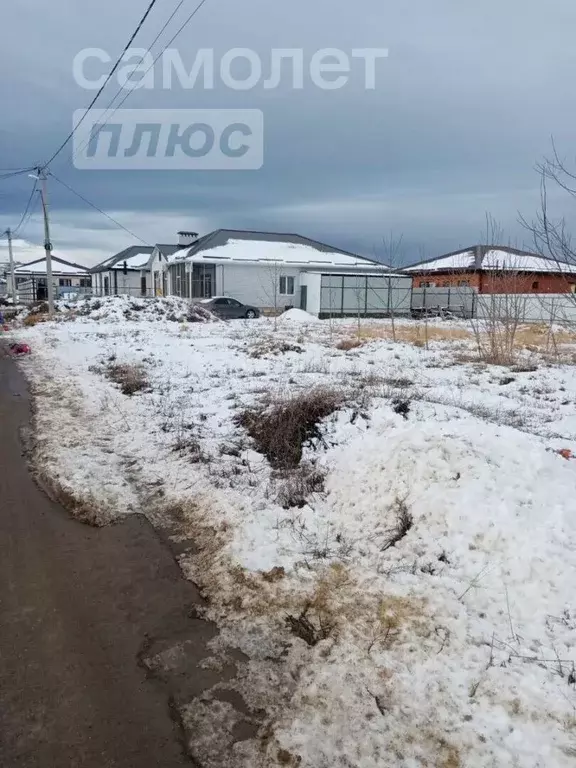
{"x": 493, "y": 258}
{"x": 138, "y": 261}
{"x": 270, "y": 252}
{"x": 59, "y": 267}
{"x": 26, "y": 253}
{"x": 135, "y": 256}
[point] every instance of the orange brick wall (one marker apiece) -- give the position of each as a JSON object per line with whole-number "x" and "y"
{"x": 487, "y": 282}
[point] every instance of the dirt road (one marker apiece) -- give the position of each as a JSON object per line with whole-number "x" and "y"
{"x": 77, "y": 606}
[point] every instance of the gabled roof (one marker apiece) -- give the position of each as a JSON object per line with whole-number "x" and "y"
{"x": 276, "y": 247}
{"x": 167, "y": 250}
{"x": 492, "y": 258}
{"x": 135, "y": 256}
{"x": 59, "y": 267}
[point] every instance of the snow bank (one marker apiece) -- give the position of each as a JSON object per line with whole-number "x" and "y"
{"x": 121, "y": 308}
{"x": 450, "y": 645}
{"x": 299, "y": 316}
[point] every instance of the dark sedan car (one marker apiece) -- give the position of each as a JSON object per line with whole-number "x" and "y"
{"x": 229, "y": 309}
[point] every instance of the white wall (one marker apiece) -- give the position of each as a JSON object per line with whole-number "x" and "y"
{"x": 257, "y": 284}
{"x": 127, "y": 283}
{"x": 313, "y": 283}
{"x": 529, "y": 307}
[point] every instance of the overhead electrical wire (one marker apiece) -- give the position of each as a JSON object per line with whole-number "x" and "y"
{"x": 28, "y": 208}
{"x": 182, "y": 27}
{"x": 152, "y": 44}
{"x": 156, "y": 58}
{"x": 107, "y": 80}
{"x": 96, "y": 208}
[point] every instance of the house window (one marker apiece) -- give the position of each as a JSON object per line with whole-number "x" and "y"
{"x": 65, "y": 281}
{"x": 535, "y": 285}
{"x": 143, "y": 285}
{"x": 286, "y": 286}
{"x": 426, "y": 284}
{"x": 463, "y": 283}
{"x": 85, "y": 282}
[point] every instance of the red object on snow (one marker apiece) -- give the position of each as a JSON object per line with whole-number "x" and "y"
{"x": 566, "y": 453}
{"x": 6, "y": 327}
{"x": 20, "y": 349}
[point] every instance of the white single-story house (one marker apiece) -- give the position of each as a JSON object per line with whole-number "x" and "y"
{"x": 67, "y": 278}
{"x": 130, "y": 271}
{"x": 275, "y": 271}
{"x": 124, "y": 273}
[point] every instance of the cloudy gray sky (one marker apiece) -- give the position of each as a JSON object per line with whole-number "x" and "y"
{"x": 463, "y": 108}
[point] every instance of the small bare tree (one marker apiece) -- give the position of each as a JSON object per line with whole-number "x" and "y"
{"x": 500, "y": 309}
{"x": 270, "y": 285}
{"x": 390, "y": 253}
{"x": 550, "y": 236}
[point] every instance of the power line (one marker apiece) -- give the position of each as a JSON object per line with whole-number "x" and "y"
{"x": 172, "y": 39}
{"x": 26, "y": 220}
{"x": 112, "y": 71}
{"x": 152, "y": 44}
{"x": 28, "y": 204}
{"x": 96, "y": 208}
{"x": 15, "y": 172}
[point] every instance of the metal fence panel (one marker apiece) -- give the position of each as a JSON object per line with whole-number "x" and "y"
{"x": 365, "y": 295}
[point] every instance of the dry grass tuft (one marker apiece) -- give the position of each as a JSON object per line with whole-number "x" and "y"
{"x": 281, "y": 427}
{"x": 273, "y": 347}
{"x": 31, "y": 320}
{"x": 347, "y": 344}
{"x": 404, "y": 522}
{"x": 130, "y": 378}
{"x": 297, "y": 485}
{"x": 416, "y": 333}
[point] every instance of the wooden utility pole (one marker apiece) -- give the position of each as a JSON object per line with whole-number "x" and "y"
{"x": 12, "y": 275}
{"x": 43, "y": 178}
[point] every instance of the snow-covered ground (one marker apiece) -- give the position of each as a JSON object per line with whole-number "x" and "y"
{"x": 431, "y": 572}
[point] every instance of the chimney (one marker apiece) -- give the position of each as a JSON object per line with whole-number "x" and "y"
{"x": 187, "y": 238}
{"x": 478, "y": 256}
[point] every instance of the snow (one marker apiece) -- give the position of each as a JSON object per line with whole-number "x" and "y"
{"x": 299, "y": 316}
{"x": 456, "y": 645}
{"x": 25, "y": 252}
{"x": 494, "y": 259}
{"x": 258, "y": 251}
{"x": 138, "y": 261}
{"x": 58, "y": 268}
{"x": 118, "y": 309}
{"x": 497, "y": 259}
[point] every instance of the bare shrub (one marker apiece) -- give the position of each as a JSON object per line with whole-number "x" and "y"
{"x": 302, "y": 627}
{"x": 326, "y": 543}
{"x": 297, "y": 485}
{"x": 130, "y": 378}
{"x": 281, "y": 427}
{"x": 347, "y": 344}
{"x": 401, "y": 406}
{"x": 399, "y": 382}
{"x": 404, "y": 521}
{"x": 189, "y": 446}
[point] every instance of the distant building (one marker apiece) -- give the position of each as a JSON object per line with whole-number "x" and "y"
{"x": 67, "y": 278}
{"x": 130, "y": 271}
{"x": 495, "y": 269}
{"x": 272, "y": 271}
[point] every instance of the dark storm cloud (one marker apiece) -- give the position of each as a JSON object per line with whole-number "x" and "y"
{"x": 464, "y": 106}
